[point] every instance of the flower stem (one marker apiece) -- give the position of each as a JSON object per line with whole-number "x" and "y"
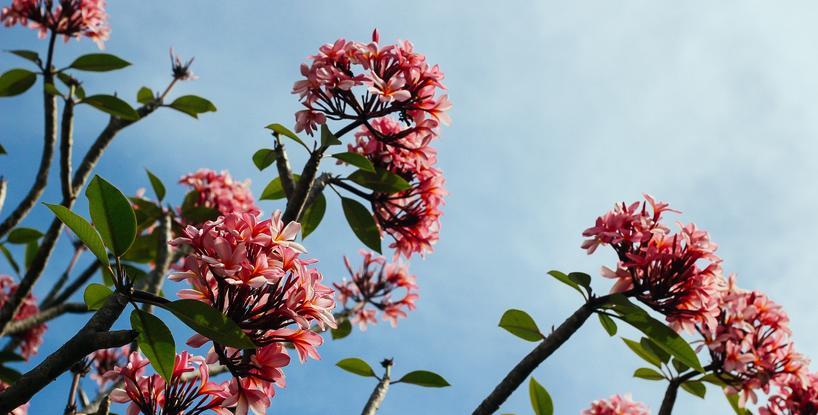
{"x": 379, "y": 394}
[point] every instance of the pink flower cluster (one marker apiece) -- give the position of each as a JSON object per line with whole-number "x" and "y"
{"x": 374, "y": 284}
{"x": 750, "y": 344}
{"x": 31, "y": 339}
{"x": 395, "y": 77}
{"x": 70, "y": 18}
{"x": 412, "y": 216}
{"x": 617, "y": 405}
{"x": 104, "y": 361}
{"x": 251, "y": 270}
{"x": 152, "y": 395}
{"x": 676, "y": 274}
{"x": 219, "y": 191}
{"x": 795, "y": 397}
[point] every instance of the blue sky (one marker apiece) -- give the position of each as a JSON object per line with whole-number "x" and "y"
{"x": 560, "y": 110}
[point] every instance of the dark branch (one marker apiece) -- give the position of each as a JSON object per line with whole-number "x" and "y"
{"x": 285, "y": 172}
{"x": 19, "y": 326}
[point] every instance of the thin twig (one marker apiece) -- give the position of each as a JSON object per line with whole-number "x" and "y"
{"x": 19, "y": 326}
{"x": 75, "y": 285}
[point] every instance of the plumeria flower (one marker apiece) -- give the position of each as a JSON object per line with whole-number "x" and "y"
{"x": 617, "y": 405}
{"x": 794, "y": 397}
{"x": 181, "y": 70}
{"x": 31, "y": 339}
{"x": 69, "y": 18}
{"x": 220, "y": 191}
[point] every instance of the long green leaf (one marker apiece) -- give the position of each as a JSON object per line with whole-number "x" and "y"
{"x": 541, "y": 401}
{"x": 210, "y": 323}
{"x": 192, "y": 105}
{"x": 24, "y": 235}
{"x": 264, "y": 158}
{"x": 424, "y": 378}
{"x": 16, "y": 81}
{"x": 356, "y": 366}
{"x": 156, "y": 341}
{"x": 99, "y": 62}
{"x": 279, "y": 130}
{"x": 362, "y": 223}
{"x": 112, "y": 214}
{"x": 87, "y": 234}
{"x": 356, "y": 160}
{"x": 381, "y": 181}
{"x": 112, "y": 105}
{"x": 313, "y": 215}
{"x": 158, "y": 186}
{"x": 520, "y": 324}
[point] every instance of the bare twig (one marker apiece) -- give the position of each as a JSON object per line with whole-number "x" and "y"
{"x": 78, "y": 248}
{"x": 74, "y": 286}
{"x": 285, "y": 172}
{"x": 92, "y": 337}
{"x": 19, "y": 326}
{"x": 66, "y": 142}
{"x": 379, "y": 394}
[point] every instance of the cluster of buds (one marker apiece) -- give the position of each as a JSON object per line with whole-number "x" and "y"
{"x": 251, "y": 271}
{"x": 219, "y": 191}
{"x": 395, "y": 77}
{"x": 750, "y": 344}
{"x": 31, "y": 339}
{"x": 181, "y": 394}
{"x": 616, "y": 405}
{"x": 676, "y": 274}
{"x": 372, "y": 288}
{"x": 70, "y": 18}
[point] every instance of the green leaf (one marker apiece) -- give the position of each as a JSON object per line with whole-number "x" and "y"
{"x": 651, "y": 346}
{"x": 10, "y": 258}
{"x": 540, "y": 399}
{"x": 193, "y": 105}
{"x": 344, "y": 329}
{"x": 679, "y": 366}
{"x": 197, "y": 214}
{"x": 31, "y": 251}
{"x": 520, "y": 324}
{"x": 647, "y": 356}
{"x": 581, "y": 279}
{"x": 647, "y": 373}
{"x": 356, "y": 366}
{"x": 664, "y": 337}
{"x": 356, "y": 160}
{"x": 98, "y": 62}
{"x": 424, "y": 378}
{"x": 112, "y": 105}
{"x": 51, "y": 89}
{"x": 264, "y": 158}
{"x": 279, "y": 130}
{"x": 156, "y": 341}
{"x": 9, "y": 356}
{"x": 608, "y": 324}
{"x": 87, "y": 234}
{"x": 381, "y": 181}
{"x": 16, "y": 81}
{"x": 143, "y": 249}
{"x": 210, "y": 323}
{"x": 327, "y": 137}
{"x": 2, "y": 150}
{"x": 713, "y": 380}
{"x": 362, "y": 223}
{"x": 26, "y": 54}
{"x": 112, "y": 214}
{"x": 95, "y": 296}
{"x": 24, "y": 235}
{"x": 158, "y": 186}
{"x": 312, "y": 216}
{"x": 563, "y": 278}
{"x": 144, "y": 95}
{"x": 695, "y": 388}
{"x": 274, "y": 190}
{"x": 9, "y": 375}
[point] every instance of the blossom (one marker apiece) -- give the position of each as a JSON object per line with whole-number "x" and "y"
{"x": 393, "y": 79}
{"x": 152, "y": 395}
{"x": 252, "y": 271}
{"x": 220, "y": 192}
{"x": 616, "y": 405}
{"x": 181, "y": 70}
{"x": 750, "y": 344}
{"x": 372, "y": 288}
{"x": 795, "y": 397}
{"x": 31, "y": 339}
{"x": 412, "y": 216}
{"x": 70, "y": 18}
{"x": 677, "y": 274}
{"x": 104, "y": 361}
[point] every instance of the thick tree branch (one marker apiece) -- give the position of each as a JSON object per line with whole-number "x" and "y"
{"x": 19, "y": 326}
{"x": 66, "y": 142}
{"x": 525, "y": 367}
{"x": 285, "y": 172}
{"x": 673, "y": 389}
{"x": 379, "y": 394}
{"x": 92, "y": 337}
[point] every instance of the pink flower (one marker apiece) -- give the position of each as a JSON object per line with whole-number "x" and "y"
{"x": 219, "y": 191}
{"x": 248, "y": 396}
{"x": 251, "y": 270}
{"x": 794, "y": 397}
{"x": 617, "y": 405}
{"x": 31, "y": 339}
{"x": 151, "y": 395}
{"x": 678, "y": 275}
{"x": 308, "y": 120}
{"x": 70, "y": 18}
{"x": 750, "y": 344}
{"x": 104, "y": 361}
{"x": 373, "y": 287}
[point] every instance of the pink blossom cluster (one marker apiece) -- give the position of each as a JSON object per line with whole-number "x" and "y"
{"x": 751, "y": 346}
{"x": 372, "y": 287}
{"x": 70, "y": 18}
{"x": 219, "y": 191}
{"x": 31, "y": 339}
{"x": 251, "y": 270}
{"x": 677, "y": 274}
{"x": 617, "y": 405}
{"x": 152, "y": 395}
{"x": 795, "y": 397}
{"x": 411, "y": 217}
{"x": 104, "y": 361}
{"x": 393, "y": 79}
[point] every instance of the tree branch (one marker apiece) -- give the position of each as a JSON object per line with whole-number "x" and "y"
{"x": 3, "y": 185}
{"x": 66, "y": 142}
{"x": 672, "y": 390}
{"x": 92, "y": 337}
{"x": 379, "y": 394}
{"x": 156, "y": 277}
{"x": 74, "y": 286}
{"x": 19, "y": 326}
{"x": 285, "y": 172}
